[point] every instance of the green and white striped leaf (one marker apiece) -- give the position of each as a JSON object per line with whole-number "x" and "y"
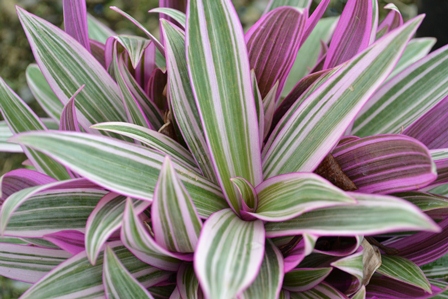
{"x": 120, "y": 166}
{"x": 134, "y": 112}
{"x": 303, "y": 279}
{"x": 137, "y": 239}
{"x": 309, "y": 49}
{"x": 416, "y": 49}
{"x": 269, "y": 104}
{"x": 247, "y": 193}
{"x": 77, "y": 278}
{"x": 14, "y": 201}
{"x": 401, "y": 269}
{"x": 118, "y": 282}
{"x": 67, "y": 65}
{"x": 259, "y": 106}
{"x": 269, "y": 280}
{"x": 406, "y": 97}
{"x": 51, "y": 211}
{"x": 140, "y": 26}
{"x": 305, "y": 136}
{"x": 178, "y": 16}
{"x": 154, "y": 139}
{"x": 42, "y": 92}
{"x": 424, "y": 201}
{"x": 187, "y": 283}
{"x": 182, "y": 99}
{"x": 228, "y": 245}
{"x": 28, "y": 263}
{"x": 321, "y": 291}
{"x": 175, "y": 222}
{"x": 352, "y": 264}
{"x": 134, "y": 45}
{"x": 97, "y": 30}
{"x": 301, "y": 4}
{"x": 21, "y": 118}
{"x": 5, "y": 134}
{"x": 105, "y": 219}
{"x": 373, "y": 214}
{"x": 128, "y": 84}
{"x": 437, "y": 269}
{"x": 219, "y": 70}
{"x": 287, "y": 196}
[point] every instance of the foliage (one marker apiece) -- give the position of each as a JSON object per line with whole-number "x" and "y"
{"x": 220, "y": 164}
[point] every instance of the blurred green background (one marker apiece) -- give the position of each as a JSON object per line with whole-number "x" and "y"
{"x": 15, "y": 53}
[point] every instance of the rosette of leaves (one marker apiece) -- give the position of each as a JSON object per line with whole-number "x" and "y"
{"x": 305, "y": 158}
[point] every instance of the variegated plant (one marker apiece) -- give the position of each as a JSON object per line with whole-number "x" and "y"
{"x": 305, "y": 158}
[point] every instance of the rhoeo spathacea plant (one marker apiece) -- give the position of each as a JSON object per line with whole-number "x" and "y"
{"x": 304, "y": 158}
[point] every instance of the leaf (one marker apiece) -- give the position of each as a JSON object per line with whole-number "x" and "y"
{"x": 137, "y": 239}
{"x": 305, "y": 85}
{"x": 299, "y": 252}
{"x": 416, "y": 49}
{"x": 272, "y": 45}
{"x": 321, "y": 291}
{"x": 104, "y": 220}
{"x": 229, "y": 254}
{"x": 386, "y": 163}
{"x": 187, "y": 283}
{"x": 140, "y": 26}
{"x": 380, "y": 287}
{"x": 118, "y": 282}
{"x": 431, "y": 127}
{"x": 437, "y": 269}
{"x": 28, "y": 263}
{"x": 16, "y": 180}
{"x": 69, "y": 120}
{"x": 42, "y": 92}
{"x": 69, "y": 240}
{"x": 183, "y": 101}
{"x": 287, "y": 196}
{"x": 75, "y": 21}
{"x": 249, "y": 196}
{"x": 391, "y": 21}
{"x": 175, "y": 221}
{"x": 269, "y": 280}
{"x": 67, "y": 65}
{"x": 134, "y": 45}
{"x": 5, "y": 134}
{"x": 424, "y": 201}
{"x": 20, "y": 118}
{"x": 48, "y": 212}
{"x": 301, "y": 4}
{"x": 134, "y": 111}
{"x": 382, "y": 114}
{"x": 130, "y": 87}
{"x": 216, "y": 49}
{"x": 303, "y": 279}
{"x": 423, "y": 247}
{"x": 353, "y": 32}
{"x": 375, "y": 214}
{"x": 352, "y": 264}
{"x": 306, "y": 134}
{"x": 77, "y": 278}
{"x": 399, "y": 268}
{"x": 97, "y": 30}
{"x": 125, "y": 164}
{"x": 154, "y": 139}
{"x": 309, "y": 49}
{"x": 176, "y": 15}
{"x": 14, "y": 201}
